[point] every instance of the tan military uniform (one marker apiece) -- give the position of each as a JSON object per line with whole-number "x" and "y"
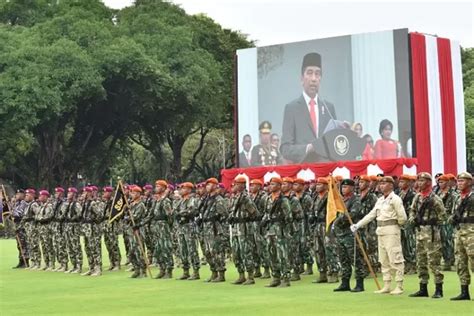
{"x": 390, "y": 214}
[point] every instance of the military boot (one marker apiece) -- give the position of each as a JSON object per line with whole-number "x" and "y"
{"x": 130, "y": 269}
{"x": 285, "y": 282}
{"x": 423, "y": 292}
{"x": 195, "y": 275}
{"x": 97, "y": 272}
{"x": 266, "y": 273}
{"x": 50, "y": 268}
{"x": 168, "y": 274}
{"x": 185, "y": 275}
{"x": 112, "y": 266}
{"x": 464, "y": 296}
{"x": 295, "y": 276}
{"x": 359, "y": 286}
{"x": 62, "y": 268}
{"x": 344, "y": 286}
{"x": 258, "y": 272}
{"x": 88, "y": 272}
{"x": 250, "y": 278}
{"x": 212, "y": 277}
{"x": 116, "y": 266}
{"x": 143, "y": 273}
{"x": 398, "y": 290}
{"x": 136, "y": 274}
{"x": 241, "y": 279}
{"x": 385, "y": 289}
{"x": 220, "y": 277}
{"x": 309, "y": 270}
{"x": 323, "y": 278}
{"x": 275, "y": 282}
{"x": 438, "y": 291}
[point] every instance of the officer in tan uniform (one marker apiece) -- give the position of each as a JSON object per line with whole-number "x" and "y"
{"x": 390, "y": 215}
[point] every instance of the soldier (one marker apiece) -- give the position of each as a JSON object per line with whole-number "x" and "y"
{"x": 161, "y": 221}
{"x": 408, "y": 233}
{"x": 390, "y": 215}
{"x": 324, "y": 243}
{"x": 28, "y": 223}
{"x": 111, "y": 230}
{"x": 345, "y": 240}
{"x": 368, "y": 200}
{"x": 200, "y": 197}
{"x": 265, "y": 153}
{"x": 19, "y": 209}
{"x": 72, "y": 219}
{"x": 186, "y": 211}
{"x": 43, "y": 218}
{"x": 463, "y": 219}
{"x": 448, "y": 195}
{"x": 243, "y": 213}
{"x": 427, "y": 213}
{"x": 295, "y": 229}
{"x": 277, "y": 218}
{"x": 149, "y": 239}
{"x": 261, "y": 256}
{"x": 133, "y": 221}
{"x": 58, "y": 230}
{"x": 305, "y": 243}
{"x": 213, "y": 214}
{"x": 92, "y": 215}
{"x": 126, "y": 241}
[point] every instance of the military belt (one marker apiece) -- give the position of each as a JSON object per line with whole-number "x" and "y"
{"x": 389, "y": 222}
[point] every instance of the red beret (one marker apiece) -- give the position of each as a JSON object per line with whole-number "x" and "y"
{"x": 240, "y": 179}
{"x": 374, "y": 178}
{"x": 87, "y": 189}
{"x": 443, "y": 177}
{"x": 44, "y": 192}
{"x": 136, "y": 188}
{"x": 323, "y": 180}
{"x": 187, "y": 185}
{"x": 72, "y": 189}
{"x": 364, "y": 177}
{"x": 31, "y": 191}
{"x": 276, "y": 180}
{"x": 256, "y": 181}
{"x": 299, "y": 181}
{"x": 108, "y": 189}
{"x": 148, "y": 187}
{"x": 94, "y": 188}
{"x": 405, "y": 177}
{"x": 451, "y": 176}
{"x": 212, "y": 180}
{"x": 162, "y": 183}
{"x": 287, "y": 179}
{"x": 59, "y": 189}
{"x": 171, "y": 187}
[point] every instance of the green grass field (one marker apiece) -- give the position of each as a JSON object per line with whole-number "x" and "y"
{"x": 26, "y": 292}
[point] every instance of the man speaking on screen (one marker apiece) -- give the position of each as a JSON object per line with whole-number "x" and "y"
{"x": 306, "y": 119}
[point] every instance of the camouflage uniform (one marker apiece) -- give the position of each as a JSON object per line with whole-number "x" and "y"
{"x": 324, "y": 242}
{"x": 296, "y": 230}
{"x": 73, "y": 216}
{"x": 133, "y": 220}
{"x": 186, "y": 211}
{"x": 59, "y": 234}
{"x": 21, "y": 242}
{"x": 428, "y": 213}
{"x": 161, "y": 221}
{"x": 28, "y": 222}
{"x": 408, "y": 234}
{"x": 44, "y": 217}
{"x": 447, "y": 230}
{"x": 92, "y": 217}
{"x": 111, "y": 232}
{"x": 243, "y": 213}
{"x": 278, "y": 219}
{"x": 346, "y": 241}
{"x": 149, "y": 239}
{"x": 367, "y": 202}
{"x": 306, "y": 202}
{"x": 261, "y": 256}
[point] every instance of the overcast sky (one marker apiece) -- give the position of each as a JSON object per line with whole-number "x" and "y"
{"x": 282, "y": 21}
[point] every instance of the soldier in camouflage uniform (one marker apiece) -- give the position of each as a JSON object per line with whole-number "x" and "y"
{"x": 463, "y": 219}
{"x": 214, "y": 213}
{"x": 427, "y": 213}
{"x": 408, "y": 233}
{"x": 277, "y": 220}
{"x": 17, "y": 215}
{"x": 44, "y": 217}
{"x": 148, "y": 237}
{"x": 296, "y": 229}
{"x": 133, "y": 222}
{"x": 306, "y": 202}
{"x": 346, "y": 240}
{"x": 448, "y": 195}
{"x": 161, "y": 221}
{"x": 200, "y": 198}
{"x": 186, "y": 211}
{"x": 92, "y": 215}
{"x": 261, "y": 256}
{"x": 72, "y": 217}
{"x": 367, "y": 201}
{"x": 58, "y": 230}
{"x": 29, "y": 224}
{"x": 243, "y": 213}
{"x": 111, "y": 230}
{"x": 126, "y": 241}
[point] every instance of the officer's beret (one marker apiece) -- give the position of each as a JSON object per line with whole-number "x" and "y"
{"x": 287, "y": 179}
{"x": 170, "y": 187}
{"x": 451, "y": 176}
{"x": 256, "y": 181}
{"x": 212, "y": 180}
{"x": 30, "y": 191}
{"x": 465, "y": 175}
{"x": 87, "y": 189}
{"x": 443, "y": 177}
{"x": 265, "y": 127}
{"x": 348, "y": 182}
{"x": 188, "y": 185}
{"x": 276, "y": 180}
{"x": 405, "y": 177}
{"x": 136, "y": 188}
{"x": 148, "y": 187}
{"x": 108, "y": 189}
{"x": 59, "y": 189}
{"x": 364, "y": 177}
{"x": 72, "y": 189}
{"x": 299, "y": 181}
{"x": 387, "y": 179}
{"x": 374, "y": 178}
{"x": 424, "y": 175}
{"x": 221, "y": 185}
{"x": 162, "y": 183}
{"x": 44, "y": 192}
{"x": 20, "y": 191}
{"x": 94, "y": 188}
{"x": 311, "y": 59}
{"x": 240, "y": 179}
{"x": 322, "y": 180}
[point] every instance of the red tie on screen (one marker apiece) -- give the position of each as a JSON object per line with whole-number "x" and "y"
{"x": 312, "y": 113}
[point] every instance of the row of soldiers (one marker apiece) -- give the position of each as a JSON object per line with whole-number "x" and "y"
{"x": 279, "y": 227}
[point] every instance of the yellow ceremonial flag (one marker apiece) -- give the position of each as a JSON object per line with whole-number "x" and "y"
{"x": 335, "y": 203}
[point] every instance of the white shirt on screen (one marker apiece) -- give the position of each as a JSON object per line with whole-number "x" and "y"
{"x": 307, "y": 98}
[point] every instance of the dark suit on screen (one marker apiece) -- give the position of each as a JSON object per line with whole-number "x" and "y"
{"x": 298, "y": 131}
{"x": 243, "y": 162}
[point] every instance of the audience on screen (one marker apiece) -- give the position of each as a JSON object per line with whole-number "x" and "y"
{"x": 368, "y": 153}
{"x": 357, "y": 128}
{"x": 386, "y": 147}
